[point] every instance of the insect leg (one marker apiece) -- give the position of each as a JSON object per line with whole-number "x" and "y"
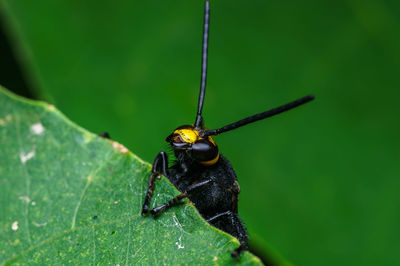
{"x": 219, "y": 215}
{"x": 168, "y": 204}
{"x": 236, "y": 230}
{"x": 104, "y": 135}
{"x": 160, "y": 167}
{"x": 176, "y": 200}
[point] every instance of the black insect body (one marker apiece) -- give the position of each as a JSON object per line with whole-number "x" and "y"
{"x": 200, "y": 172}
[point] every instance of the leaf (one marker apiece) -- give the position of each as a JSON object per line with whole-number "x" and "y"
{"x": 68, "y": 196}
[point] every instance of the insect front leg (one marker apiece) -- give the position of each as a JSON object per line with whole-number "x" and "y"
{"x": 176, "y": 200}
{"x": 159, "y": 167}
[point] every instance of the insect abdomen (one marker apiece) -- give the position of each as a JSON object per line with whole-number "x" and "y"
{"x": 217, "y": 201}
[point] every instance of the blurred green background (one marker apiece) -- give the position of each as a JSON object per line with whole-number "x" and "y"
{"x": 319, "y": 184}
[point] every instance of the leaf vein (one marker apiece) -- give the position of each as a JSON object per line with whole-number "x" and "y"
{"x": 27, "y": 179}
{"x": 89, "y": 179}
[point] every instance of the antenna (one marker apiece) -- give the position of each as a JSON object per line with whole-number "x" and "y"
{"x": 256, "y": 117}
{"x": 199, "y": 118}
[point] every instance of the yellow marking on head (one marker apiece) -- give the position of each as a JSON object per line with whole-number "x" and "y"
{"x": 211, "y": 162}
{"x": 212, "y": 141}
{"x": 188, "y": 135}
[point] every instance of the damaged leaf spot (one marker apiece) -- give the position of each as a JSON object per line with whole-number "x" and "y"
{"x": 14, "y": 226}
{"x": 179, "y": 243}
{"x": 37, "y": 128}
{"x": 25, "y": 198}
{"x": 39, "y": 224}
{"x": 25, "y": 157}
{"x": 121, "y": 148}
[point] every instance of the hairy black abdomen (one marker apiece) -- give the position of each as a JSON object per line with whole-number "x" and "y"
{"x": 219, "y": 196}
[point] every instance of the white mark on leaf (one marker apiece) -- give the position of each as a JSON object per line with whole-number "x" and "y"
{"x": 185, "y": 210}
{"x": 160, "y": 198}
{"x": 33, "y": 203}
{"x": 37, "y": 128}
{"x": 14, "y": 226}
{"x": 177, "y": 222}
{"x": 25, "y": 198}
{"x": 25, "y": 157}
{"x": 39, "y": 225}
{"x": 8, "y": 118}
{"x": 137, "y": 251}
{"x": 179, "y": 243}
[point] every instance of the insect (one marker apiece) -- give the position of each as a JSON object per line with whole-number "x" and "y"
{"x": 200, "y": 172}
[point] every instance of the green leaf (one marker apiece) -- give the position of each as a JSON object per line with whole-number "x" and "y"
{"x": 70, "y": 197}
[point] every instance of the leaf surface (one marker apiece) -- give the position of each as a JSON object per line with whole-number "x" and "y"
{"x": 68, "y": 196}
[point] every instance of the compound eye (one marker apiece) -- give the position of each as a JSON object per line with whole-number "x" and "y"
{"x": 203, "y": 150}
{"x": 174, "y": 138}
{"x": 177, "y": 139}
